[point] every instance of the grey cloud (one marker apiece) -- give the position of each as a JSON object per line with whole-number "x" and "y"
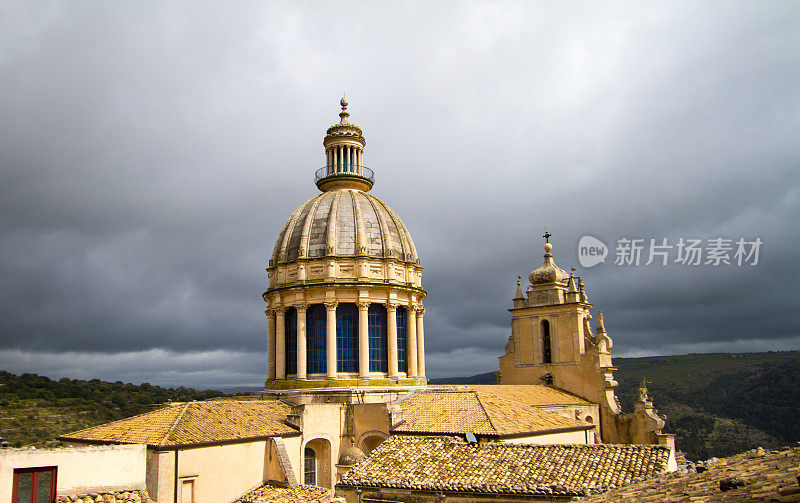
{"x": 149, "y": 155}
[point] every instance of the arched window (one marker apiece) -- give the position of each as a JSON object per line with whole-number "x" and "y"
{"x": 347, "y": 338}
{"x": 310, "y": 467}
{"x": 402, "y": 340}
{"x": 315, "y": 339}
{"x": 291, "y": 340}
{"x": 377, "y": 338}
{"x": 547, "y": 354}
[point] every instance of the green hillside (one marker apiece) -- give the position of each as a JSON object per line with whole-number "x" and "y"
{"x": 35, "y": 409}
{"x": 716, "y": 404}
{"x": 722, "y": 403}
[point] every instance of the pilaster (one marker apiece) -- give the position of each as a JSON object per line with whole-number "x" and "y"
{"x": 330, "y": 338}
{"x": 363, "y": 339}
{"x": 301, "y": 340}
{"x": 391, "y": 337}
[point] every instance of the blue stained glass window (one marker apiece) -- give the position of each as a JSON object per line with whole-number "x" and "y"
{"x": 347, "y": 338}
{"x": 291, "y": 340}
{"x": 377, "y": 338}
{"x": 402, "y": 340}
{"x": 315, "y": 339}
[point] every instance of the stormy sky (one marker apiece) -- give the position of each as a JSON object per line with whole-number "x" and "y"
{"x": 151, "y": 151}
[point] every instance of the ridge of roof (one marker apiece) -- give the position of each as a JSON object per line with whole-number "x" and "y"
{"x": 174, "y": 424}
{"x": 486, "y": 412}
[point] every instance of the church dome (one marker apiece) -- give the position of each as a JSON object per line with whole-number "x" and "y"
{"x": 344, "y": 222}
{"x": 549, "y": 272}
{"x": 344, "y": 266}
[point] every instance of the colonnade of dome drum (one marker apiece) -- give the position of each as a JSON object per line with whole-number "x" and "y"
{"x": 346, "y": 340}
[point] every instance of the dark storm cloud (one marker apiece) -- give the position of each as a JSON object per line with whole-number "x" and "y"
{"x": 150, "y": 153}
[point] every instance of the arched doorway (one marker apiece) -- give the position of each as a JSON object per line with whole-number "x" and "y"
{"x": 317, "y": 463}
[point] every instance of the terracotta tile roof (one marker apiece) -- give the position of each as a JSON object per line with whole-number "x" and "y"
{"x": 193, "y": 423}
{"x": 132, "y": 496}
{"x": 449, "y": 464}
{"x": 752, "y": 476}
{"x": 479, "y": 413}
{"x": 529, "y": 394}
{"x": 271, "y": 493}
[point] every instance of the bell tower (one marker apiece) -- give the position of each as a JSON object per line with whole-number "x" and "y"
{"x": 551, "y": 338}
{"x": 552, "y": 343}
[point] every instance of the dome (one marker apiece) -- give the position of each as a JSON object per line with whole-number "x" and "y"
{"x": 351, "y": 456}
{"x": 549, "y": 272}
{"x": 344, "y": 222}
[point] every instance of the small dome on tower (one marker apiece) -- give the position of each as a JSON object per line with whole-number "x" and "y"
{"x": 549, "y": 272}
{"x": 351, "y": 456}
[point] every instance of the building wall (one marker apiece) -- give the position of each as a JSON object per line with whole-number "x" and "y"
{"x": 80, "y": 468}
{"x": 219, "y": 473}
{"x": 322, "y": 432}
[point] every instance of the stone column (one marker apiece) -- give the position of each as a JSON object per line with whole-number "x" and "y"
{"x": 330, "y": 338}
{"x": 301, "y": 341}
{"x": 270, "y": 343}
{"x": 280, "y": 343}
{"x": 420, "y": 343}
{"x": 411, "y": 345}
{"x": 363, "y": 339}
{"x": 341, "y": 160}
{"x": 391, "y": 337}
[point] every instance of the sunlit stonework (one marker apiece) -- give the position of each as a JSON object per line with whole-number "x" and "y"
{"x": 345, "y": 282}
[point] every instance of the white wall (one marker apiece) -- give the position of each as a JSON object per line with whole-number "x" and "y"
{"x": 80, "y": 468}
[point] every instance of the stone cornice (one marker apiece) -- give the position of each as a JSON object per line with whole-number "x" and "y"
{"x": 379, "y": 284}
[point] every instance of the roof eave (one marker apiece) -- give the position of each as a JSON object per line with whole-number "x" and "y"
{"x": 172, "y": 447}
{"x": 499, "y": 435}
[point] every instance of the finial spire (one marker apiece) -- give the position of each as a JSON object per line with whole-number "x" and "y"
{"x": 547, "y": 236}
{"x": 344, "y": 114}
{"x": 519, "y": 295}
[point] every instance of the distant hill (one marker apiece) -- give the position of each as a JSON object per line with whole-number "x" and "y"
{"x": 716, "y": 404}
{"x": 35, "y": 409}
{"x": 487, "y": 378}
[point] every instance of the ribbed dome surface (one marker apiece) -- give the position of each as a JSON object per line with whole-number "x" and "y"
{"x": 345, "y": 222}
